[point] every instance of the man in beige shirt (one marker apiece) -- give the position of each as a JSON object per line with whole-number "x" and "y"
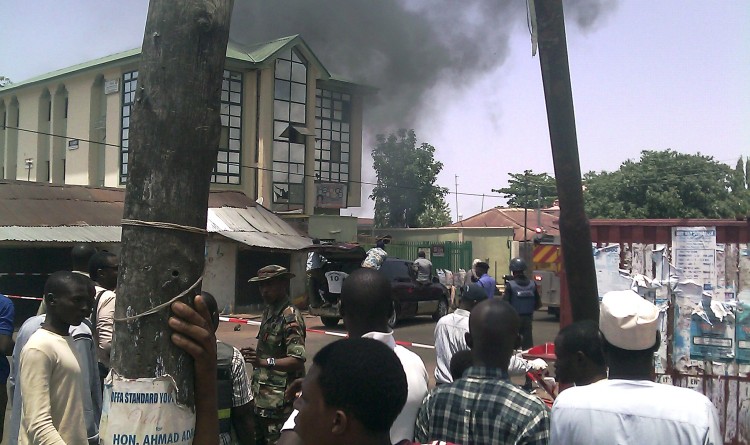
{"x": 50, "y": 374}
{"x": 103, "y": 269}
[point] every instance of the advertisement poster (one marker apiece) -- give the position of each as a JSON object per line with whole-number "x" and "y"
{"x": 694, "y": 253}
{"x": 712, "y": 331}
{"x": 144, "y": 412}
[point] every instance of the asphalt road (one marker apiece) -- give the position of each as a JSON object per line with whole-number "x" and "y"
{"x": 417, "y": 330}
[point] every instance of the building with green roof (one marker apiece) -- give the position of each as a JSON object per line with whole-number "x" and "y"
{"x": 291, "y": 131}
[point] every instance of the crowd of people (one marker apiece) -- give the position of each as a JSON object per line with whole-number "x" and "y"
{"x": 364, "y": 389}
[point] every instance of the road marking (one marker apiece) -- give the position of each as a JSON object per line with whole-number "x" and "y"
{"x": 320, "y": 331}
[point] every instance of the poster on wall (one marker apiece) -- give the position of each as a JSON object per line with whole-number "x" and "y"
{"x": 743, "y": 332}
{"x": 694, "y": 253}
{"x": 712, "y": 331}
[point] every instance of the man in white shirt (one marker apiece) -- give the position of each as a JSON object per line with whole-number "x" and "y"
{"x": 316, "y": 280}
{"x": 450, "y": 337}
{"x": 365, "y": 308}
{"x": 629, "y": 407}
{"x": 103, "y": 269}
{"x": 423, "y": 267}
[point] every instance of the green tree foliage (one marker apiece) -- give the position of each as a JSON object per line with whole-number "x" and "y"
{"x": 406, "y": 182}
{"x": 525, "y": 188}
{"x": 665, "y": 184}
{"x": 435, "y": 216}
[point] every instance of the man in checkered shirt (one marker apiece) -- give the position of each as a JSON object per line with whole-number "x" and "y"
{"x": 235, "y": 399}
{"x": 484, "y": 407}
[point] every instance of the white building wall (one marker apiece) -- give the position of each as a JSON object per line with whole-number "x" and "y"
{"x": 221, "y": 272}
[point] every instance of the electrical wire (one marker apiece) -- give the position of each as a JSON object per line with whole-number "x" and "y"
{"x": 631, "y": 183}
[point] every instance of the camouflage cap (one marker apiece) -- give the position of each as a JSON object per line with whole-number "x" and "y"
{"x": 271, "y": 272}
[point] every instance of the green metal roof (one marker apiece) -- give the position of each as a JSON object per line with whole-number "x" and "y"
{"x": 256, "y": 55}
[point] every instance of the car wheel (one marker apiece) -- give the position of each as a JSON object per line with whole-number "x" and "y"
{"x": 330, "y": 321}
{"x": 442, "y": 310}
{"x": 394, "y": 317}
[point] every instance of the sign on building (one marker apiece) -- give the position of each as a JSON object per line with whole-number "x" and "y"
{"x": 111, "y": 86}
{"x": 330, "y": 195}
{"x": 73, "y": 144}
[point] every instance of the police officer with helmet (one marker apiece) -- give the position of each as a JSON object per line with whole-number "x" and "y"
{"x": 522, "y": 294}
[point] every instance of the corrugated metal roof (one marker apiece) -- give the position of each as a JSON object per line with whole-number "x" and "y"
{"x": 62, "y": 234}
{"x": 254, "y": 54}
{"x": 512, "y": 217}
{"x": 255, "y": 227}
{"x": 35, "y": 204}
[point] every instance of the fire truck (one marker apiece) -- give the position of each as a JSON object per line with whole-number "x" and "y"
{"x": 547, "y": 268}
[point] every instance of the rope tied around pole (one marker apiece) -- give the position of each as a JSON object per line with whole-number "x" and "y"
{"x": 156, "y": 309}
{"x": 163, "y": 225}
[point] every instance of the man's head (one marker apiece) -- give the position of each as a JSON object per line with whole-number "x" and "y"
{"x": 354, "y": 391}
{"x": 273, "y": 283}
{"x": 366, "y": 303}
{"x": 69, "y": 297}
{"x": 629, "y": 325}
{"x": 421, "y": 254}
{"x": 493, "y": 333}
{"x": 517, "y": 266}
{"x": 213, "y": 308}
{"x": 460, "y": 362}
{"x": 104, "y": 268}
{"x": 472, "y": 295}
{"x": 80, "y": 255}
{"x": 380, "y": 244}
{"x": 579, "y": 348}
{"x": 481, "y": 268}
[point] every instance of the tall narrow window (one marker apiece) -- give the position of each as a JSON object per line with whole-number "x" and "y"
{"x": 289, "y": 128}
{"x": 227, "y": 168}
{"x": 332, "y": 131}
{"x": 129, "y": 83}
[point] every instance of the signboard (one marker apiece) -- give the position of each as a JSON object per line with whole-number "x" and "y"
{"x": 143, "y": 412}
{"x": 437, "y": 250}
{"x": 743, "y": 332}
{"x": 73, "y": 144}
{"x": 330, "y": 195}
{"x": 694, "y": 251}
{"x": 111, "y": 86}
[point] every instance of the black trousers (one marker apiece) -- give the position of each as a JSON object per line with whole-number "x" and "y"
{"x": 527, "y": 339}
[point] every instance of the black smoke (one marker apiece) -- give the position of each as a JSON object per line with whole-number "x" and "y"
{"x": 404, "y": 48}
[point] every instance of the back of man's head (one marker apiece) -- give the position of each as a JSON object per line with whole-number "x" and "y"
{"x": 213, "y": 308}
{"x": 80, "y": 255}
{"x": 366, "y": 301}
{"x": 100, "y": 260}
{"x": 421, "y": 254}
{"x": 365, "y": 379}
{"x": 580, "y": 350}
{"x": 629, "y": 325}
{"x": 493, "y": 333}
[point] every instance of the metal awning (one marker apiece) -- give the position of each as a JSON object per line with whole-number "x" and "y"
{"x": 255, "y": 227}
{"x": 61, "y": 234}
{"x": 268, "y": 241}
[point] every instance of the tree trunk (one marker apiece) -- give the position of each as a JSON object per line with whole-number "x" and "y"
{"x": 575, "y": 232}
{"x": 174, "y": 135}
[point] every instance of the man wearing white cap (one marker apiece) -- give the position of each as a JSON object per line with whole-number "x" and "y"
{"x": 629, "y": 408}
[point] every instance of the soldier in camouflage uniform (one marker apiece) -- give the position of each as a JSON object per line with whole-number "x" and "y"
{"x": 280, "y": 355}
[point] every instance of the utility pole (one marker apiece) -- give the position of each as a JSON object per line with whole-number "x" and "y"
{"x": 458, "y": 216}
{"x": 174, "y": 136}
{"x": 574, "y": 225}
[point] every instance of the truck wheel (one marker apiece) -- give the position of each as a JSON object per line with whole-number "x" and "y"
{"x": 442, "y": 310}
{"x": 330, "y": 321}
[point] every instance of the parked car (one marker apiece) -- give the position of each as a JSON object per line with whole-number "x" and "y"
{"x": 410, "y": 298}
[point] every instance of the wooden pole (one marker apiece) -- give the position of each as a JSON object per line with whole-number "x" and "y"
{"x": 174, "y": 135}
{"x": 575, "y": 233}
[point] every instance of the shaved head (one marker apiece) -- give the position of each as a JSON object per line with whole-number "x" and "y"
{"x": 493, "y": 333}
{"x": 366, "y": 301}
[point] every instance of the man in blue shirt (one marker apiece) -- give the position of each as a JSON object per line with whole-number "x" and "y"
{"x": 485, "y": 280}
{"x": 7, "y": 314}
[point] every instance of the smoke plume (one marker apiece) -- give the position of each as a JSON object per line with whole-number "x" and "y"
{"x": 403, "y": 47}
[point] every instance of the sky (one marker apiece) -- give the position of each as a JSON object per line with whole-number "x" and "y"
{"x": 645, "y": 75}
